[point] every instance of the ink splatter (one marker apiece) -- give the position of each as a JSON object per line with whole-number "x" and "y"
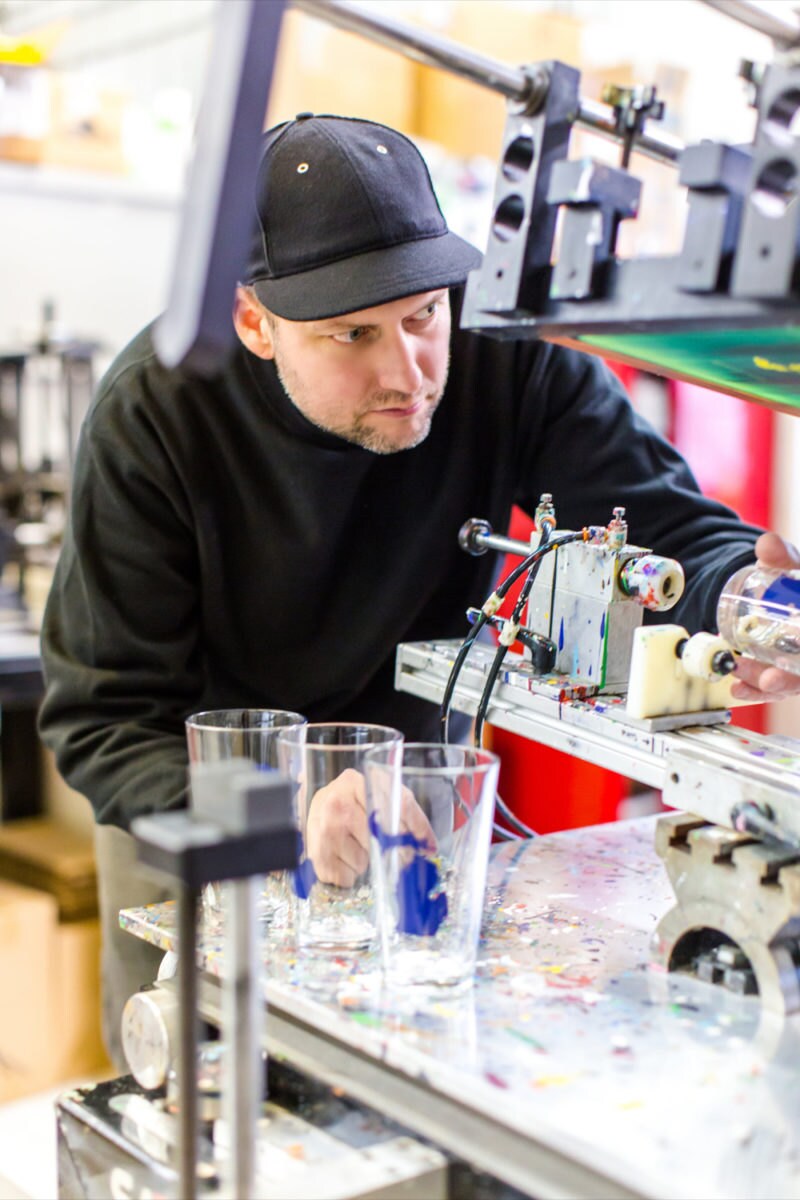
{"x": 391, "y": 841}
{"x": 495, "y": 1080}
{"x": 303, "y": 879}
{"x": 420, "y": 908}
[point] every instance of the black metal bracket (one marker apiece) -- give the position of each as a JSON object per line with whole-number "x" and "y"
{"x": 716, "y": 176}
{"x": 595, "y": 198}
{"x": 766, "y": 263}
{"x": 515, "y": 274}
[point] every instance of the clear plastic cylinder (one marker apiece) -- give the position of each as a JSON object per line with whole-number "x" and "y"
{"x": 759, "y": 615}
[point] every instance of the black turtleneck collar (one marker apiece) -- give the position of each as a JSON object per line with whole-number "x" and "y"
{"x": 263, "y": 375}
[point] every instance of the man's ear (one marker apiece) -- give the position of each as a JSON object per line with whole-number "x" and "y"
{"x": 252, "y": 325}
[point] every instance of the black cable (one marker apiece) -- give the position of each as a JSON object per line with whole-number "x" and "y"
{"x": 528, "y": 562}
{"x": 488, "y": 687}
{"x": 522, "y": 599}
{"x": 499, "y": 593}
{"x": 505, "y": 834}
{"x": 513, "y": 820}
{"x": 455, "y": 670}
{"x": 536, "y": 561}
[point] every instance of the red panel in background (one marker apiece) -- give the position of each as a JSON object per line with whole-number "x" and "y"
{"x": 548, "y": 789}
{"x": 728, "y": 443}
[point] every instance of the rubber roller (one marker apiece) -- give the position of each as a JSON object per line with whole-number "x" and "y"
{"x": 654, "y": 582}
{"x": 706, "y": 656}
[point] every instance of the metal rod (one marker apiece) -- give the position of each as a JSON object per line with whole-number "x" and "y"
{"x": 242, "y": 1016}
{"x": 421, "y": 45}
{"x": 512, "y": 82}
{"x": 187, "y": 1060}
{"x": 782, "y": 31}
{"x": 496, "y": 541}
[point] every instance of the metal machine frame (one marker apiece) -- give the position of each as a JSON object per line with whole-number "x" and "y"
{"x": 737, "y": 268}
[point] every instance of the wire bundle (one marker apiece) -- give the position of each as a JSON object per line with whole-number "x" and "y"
{"x": 508, "y": 634}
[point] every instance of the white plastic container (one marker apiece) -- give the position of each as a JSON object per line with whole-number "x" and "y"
{"x": 759, "y": 615}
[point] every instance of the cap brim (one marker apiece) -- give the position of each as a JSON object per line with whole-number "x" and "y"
{"x": 365, "y": 280}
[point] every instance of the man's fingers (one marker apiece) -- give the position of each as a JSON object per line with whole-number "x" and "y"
{"x": 351, "y": 784}
{"x": 337, "y": 837}
{"x": 355, "y": 855}
{"x": 344, "y": 859}
{"x": 414, "y": 820}
{"x": 756, "y": 682}
{"x": 774, "y": 551}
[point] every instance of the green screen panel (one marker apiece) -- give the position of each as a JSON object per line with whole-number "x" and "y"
{"x": 761, "y": 364}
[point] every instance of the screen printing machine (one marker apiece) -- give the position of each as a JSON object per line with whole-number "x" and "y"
{"x": 633, "y": 1026}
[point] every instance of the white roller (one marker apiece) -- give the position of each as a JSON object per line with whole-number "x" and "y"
{"x": 654, "y": 582}
{"x": 659, "y": 683}
{"x": 698, "y": 655}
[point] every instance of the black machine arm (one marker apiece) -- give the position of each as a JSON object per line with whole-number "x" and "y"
{"x": 738, "y": 269}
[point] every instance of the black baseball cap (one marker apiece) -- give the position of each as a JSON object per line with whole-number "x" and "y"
{"x": 347, "y": 218}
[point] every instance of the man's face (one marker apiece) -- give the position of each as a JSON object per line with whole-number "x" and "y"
{"x": 373, "y": 377}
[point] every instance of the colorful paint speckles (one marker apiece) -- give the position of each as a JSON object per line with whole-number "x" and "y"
{"x": 569, "y": 1038}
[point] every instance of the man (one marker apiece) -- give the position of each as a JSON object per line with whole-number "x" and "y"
{"x": 268, "y": 537}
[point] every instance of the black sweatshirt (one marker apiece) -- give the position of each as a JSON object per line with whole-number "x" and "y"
{"x": 224, "y": 552}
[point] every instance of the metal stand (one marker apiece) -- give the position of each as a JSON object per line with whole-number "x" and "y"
{"x": 241, "y": 825}
{"x": 737, "y": 917}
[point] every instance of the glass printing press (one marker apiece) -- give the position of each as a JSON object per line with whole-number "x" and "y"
{"x": 633, "y": 1025}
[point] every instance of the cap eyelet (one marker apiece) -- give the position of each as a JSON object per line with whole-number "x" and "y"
{"x": 302, "y": 168}
{"x": 381, "y": 149}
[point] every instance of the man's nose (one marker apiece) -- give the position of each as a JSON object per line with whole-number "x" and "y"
{"x": 398, "y": 369}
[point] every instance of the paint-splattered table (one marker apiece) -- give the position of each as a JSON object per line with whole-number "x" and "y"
{"x": 572, "y": 1067}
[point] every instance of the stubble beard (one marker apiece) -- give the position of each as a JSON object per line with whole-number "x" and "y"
{"x": 358, "y": 431}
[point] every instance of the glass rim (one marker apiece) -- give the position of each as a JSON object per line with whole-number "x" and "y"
{"x": 485, "y": 759}
{"x": 291, "y": 735}
{"x": 195, "y": 721}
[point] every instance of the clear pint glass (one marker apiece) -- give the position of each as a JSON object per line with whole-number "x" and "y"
{"x": 252, "y": 733}
{"x": 333, "y": 884}
{"x": 430, "y": 813}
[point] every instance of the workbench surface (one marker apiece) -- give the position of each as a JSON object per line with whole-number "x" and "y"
{"x": 573, "y": 1066}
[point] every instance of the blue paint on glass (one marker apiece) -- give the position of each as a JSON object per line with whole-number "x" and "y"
{"x": 388, "y": 841}
{"x": 602, "y": 627}
{"x": 303, "y": 879}
{"x": 561, "y": 635}
{"x": 783, "y": 590}
{"x": 420, "y": 908}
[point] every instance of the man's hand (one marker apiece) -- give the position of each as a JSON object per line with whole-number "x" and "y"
{"x": 337, "y": 836}
{"x": 756, "y": 681}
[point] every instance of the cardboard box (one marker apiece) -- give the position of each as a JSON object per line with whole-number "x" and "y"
{"x": 25, "y": 112}
{"x": 75, "y": 1015}
{"x": 89, "y": 138}
{"x": 465, "y": 117}
{"x": 325, "y": 70}
{"x": 45, "y": 853}
{"x": 49, "y": 995}
{"x": 27, "y": 982}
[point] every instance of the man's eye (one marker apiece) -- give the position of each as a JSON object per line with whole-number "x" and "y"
{"x": 427, "y": 312}
{"x": 349, "y": 336}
